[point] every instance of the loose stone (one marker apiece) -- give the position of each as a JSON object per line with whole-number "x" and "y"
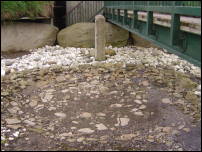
{"x": 59, "y": 114}
{"x": 9, "y": 62}
{"x": 134, "y": 109}
{"x": 145, "y": 101}
{"x": 145, "y": 83}
{"x": 122, "y": 121}
{"x": 12, "y": 121}
{"x": 138, "y": 101}
{"x": 167, "y": 129}
{"x": 85, "y": 115}
{"x": 166, "y": 101}
{"x": 86, "y": 130}
{"x": 75, "y": 122}
{"x": 186, "y": 129}
{"x": 127, "y": 136}
{"x": 13, "y": 110}
{"x": 142, "y": 107}
{"x": 180, "y": 127}
{"x": 16, "y": 134}
{"x": 14, "y": 126}
{"x": 52, "y": 108}
{"x": 139, "y": 113}
{"x": 101, "y": 127}
{"x": 150, "y": 138}
{"x": 29, "y": 122}
{"x": 101, "y": 114}
{"x": 138, "y": 97}
{"x": 33, "y": 103}
{"x": 116, "y": 105}
{"x": 66, "y": 134}
{"x": 80, "y": 139}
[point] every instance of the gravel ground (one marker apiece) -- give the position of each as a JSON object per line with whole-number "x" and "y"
{"x": 62, "y": 99}
{"x": 56, "y": 55}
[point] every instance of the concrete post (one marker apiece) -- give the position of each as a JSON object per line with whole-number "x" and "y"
{"x": 99, "y": 38}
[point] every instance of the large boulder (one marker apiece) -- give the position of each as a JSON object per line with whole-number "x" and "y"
{"x": 83, "y": 35}
{"x": 17, "y": 37}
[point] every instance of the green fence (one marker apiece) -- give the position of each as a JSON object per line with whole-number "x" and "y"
{"x": 179, "y": 34}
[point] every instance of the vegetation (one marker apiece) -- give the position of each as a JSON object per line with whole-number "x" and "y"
{"x": 17, "y": 9}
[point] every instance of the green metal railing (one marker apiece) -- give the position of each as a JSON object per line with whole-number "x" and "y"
{"x": 184, "y": 43}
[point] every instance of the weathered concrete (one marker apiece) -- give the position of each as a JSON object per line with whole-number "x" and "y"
{"x": 100, "y": 39}
{"x": 17, "y": 36}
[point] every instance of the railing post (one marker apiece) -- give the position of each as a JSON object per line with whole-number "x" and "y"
{"x": 135, "y": 19}
{"x": 99, "y": 38}
{"x": 113, "y": 14}
{"x": 118, "y": 15}
{"x": 174, "y": 29}
{"x": 125, "y": 17}
{"x": 149, "y": 22}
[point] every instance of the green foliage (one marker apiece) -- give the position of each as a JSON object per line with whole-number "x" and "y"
{"x": 16, "y": 9}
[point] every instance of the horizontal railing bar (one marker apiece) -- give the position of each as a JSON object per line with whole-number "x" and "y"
{"x": 190, "y": 11}
{"x": 164, "y": 20}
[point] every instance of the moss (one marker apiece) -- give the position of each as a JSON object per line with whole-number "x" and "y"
{"x": 117, "y": 44}
{"x": 38, "y": 130}
{"x": 66, "y": 147}
{"x": 190, "y": 96}
{"x": 4, "y": 141}
{"x": 110, "y": 52}
{"x": 187, "y": 83}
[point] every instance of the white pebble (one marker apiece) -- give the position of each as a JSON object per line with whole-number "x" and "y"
{"x": 16, "y": 134}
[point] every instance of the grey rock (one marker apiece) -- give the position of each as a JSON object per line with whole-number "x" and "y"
{"x": 85, "y": 115}
{"x": 30, "y": 123}
{"x": 80, "y": 139}
{"x": 142, "y": 107}
{"x": 86, "y": 130}
{"x": 166, "y": 101}
{"x": 12, "y": 121}
{"x": 9, "y": 62}
{"x": 14, "y": 110}
{"x": 37, "y": 58}
{"x": 33, "y": 103}
{"x": 138, "y": 113}
{"x": 83, "y": 35}
{"x": 138, "y": 101}
{"x": 101, "y": 126}
{"x": 66, "y": 134}
{"x": 122, "y": 121}
{"x": 60, "y": 114}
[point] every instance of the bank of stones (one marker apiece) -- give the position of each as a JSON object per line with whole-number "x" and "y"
{"x": 49, "y": 56}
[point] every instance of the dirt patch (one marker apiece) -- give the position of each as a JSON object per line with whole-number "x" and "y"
{"x": 99, "y": 108}
{"x": 13, "y": 55}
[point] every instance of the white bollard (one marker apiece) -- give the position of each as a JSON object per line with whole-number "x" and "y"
{"x": 100, "y": 38}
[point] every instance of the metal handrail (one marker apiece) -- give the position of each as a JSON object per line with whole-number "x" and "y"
{"x": 85, "y": 11}
{"x": 74, "y": 7}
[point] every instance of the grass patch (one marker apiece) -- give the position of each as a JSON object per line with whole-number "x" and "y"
{"x": 17, "y": 9}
